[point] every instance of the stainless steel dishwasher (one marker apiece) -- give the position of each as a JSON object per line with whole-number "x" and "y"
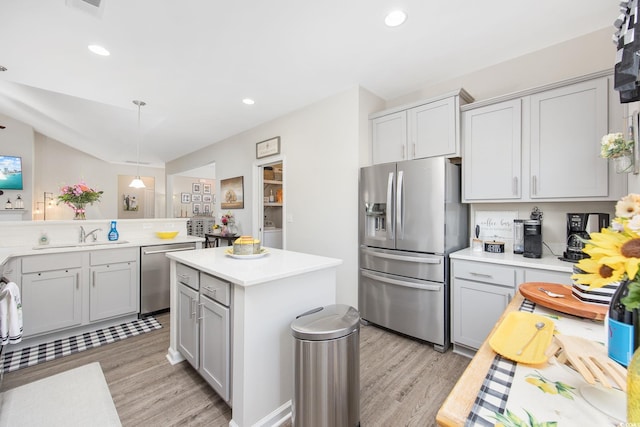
{"x": 154, "y": 276}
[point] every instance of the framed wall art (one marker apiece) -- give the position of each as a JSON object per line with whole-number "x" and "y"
{"x": 207, "y": 198}
{"x": 196, "y": 198}
{"x": 185, "y": 198}
{"x": 206, "y": 188}
{"x": 195, "y": 187}
{"x": 267, "y": 148}
{"x": 196, "y": 208}
{"x": 206, "y": 208}
{"x": 232, "y": 193}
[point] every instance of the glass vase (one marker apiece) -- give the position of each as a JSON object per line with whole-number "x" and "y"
{"x": 623, "y": 163}
{"x": 79, "y": 210}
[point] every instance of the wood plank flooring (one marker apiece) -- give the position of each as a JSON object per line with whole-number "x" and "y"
{"x": 403, "y": 382}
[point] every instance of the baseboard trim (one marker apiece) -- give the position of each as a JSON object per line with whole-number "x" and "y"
{"x": 174, "y": 356}
{"x": 276, "y": 418}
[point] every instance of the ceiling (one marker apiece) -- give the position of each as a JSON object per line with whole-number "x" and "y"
{"x": 193, "y": 61}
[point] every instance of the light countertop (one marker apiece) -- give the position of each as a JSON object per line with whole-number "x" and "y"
{"x": 6, "y": 253}
{"x": 277, "y": 264}
{"x": 547, "y": 262}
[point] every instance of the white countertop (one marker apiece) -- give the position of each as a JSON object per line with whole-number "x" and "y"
{"x": 6, "y": 253}
{"x": 547, "y": 262}
{"x": 277, "y": 264}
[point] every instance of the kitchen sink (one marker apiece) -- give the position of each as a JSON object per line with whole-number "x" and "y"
{"x": 81, "y": 245}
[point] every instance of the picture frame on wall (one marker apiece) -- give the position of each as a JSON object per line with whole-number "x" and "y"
{"x": 195, "y": 187}
{"x": 196, "y": 208}
{"x": 206, "y": 188}
{"x": 206, "y": 208}
{"x": 232, "y": 193}
{"x": 207, "y": 198}
{"x": 185, "y": 198}
{"x": 269, "y": 147}
{"x": 196, "y": 198}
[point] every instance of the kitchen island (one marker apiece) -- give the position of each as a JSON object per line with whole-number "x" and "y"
{"x": 266, "y": 295}
{"x": 490, "y": 383}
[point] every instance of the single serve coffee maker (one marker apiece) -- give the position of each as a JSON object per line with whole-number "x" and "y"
{"x": 579, "y": 225}
{"x": 533, "y": 235}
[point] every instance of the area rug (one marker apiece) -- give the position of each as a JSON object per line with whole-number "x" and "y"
{"x": 29, "y": 356}
{"x": 78, "y": 397}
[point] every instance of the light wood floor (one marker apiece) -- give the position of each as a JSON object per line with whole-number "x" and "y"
{"x": 403, "y": 382}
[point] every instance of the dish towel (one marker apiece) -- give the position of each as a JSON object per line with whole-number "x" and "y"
{"x": 10, "y": 314}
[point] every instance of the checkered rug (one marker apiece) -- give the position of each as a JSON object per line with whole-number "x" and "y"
{"x": 29, "y": 356}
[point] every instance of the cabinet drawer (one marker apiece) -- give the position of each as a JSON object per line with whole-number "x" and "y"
{"x": 485, "y": 272}
{"x": 51, "y": 262}
{"x": 112, "y": 256}
{"x": 188, "y": 276}
{"x": 550, "y": 276}
{"x": 215, "y": 288}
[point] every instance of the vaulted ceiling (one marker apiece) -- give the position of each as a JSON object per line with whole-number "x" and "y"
{"x": 194, "y": 61}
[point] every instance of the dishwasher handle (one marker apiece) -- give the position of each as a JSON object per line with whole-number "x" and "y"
{"x": 168, "y": 250}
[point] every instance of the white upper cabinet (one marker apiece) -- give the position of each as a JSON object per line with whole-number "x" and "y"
{"x": 389, "y": 135}
{"x": 428, "y": 128}
{"x": 542, "y": 145}
{"x": 492, "y": 152}
{"x": 566, "y": 127}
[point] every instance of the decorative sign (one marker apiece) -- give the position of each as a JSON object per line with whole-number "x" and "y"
{"x": 268, "y": 148}
{"x": 495, "y": 225}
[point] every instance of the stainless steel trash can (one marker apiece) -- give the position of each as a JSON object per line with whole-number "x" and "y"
{"x": 327, "y": 367}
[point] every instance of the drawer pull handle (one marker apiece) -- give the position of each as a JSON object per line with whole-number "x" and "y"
{"x": 481, "y": 275}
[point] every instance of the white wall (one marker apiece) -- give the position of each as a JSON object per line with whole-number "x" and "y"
{"x": 57, "y": 165}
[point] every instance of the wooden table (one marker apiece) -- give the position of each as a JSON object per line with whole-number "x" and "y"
{"x": 456, "y": 407}
{"x": 213, "y": 240}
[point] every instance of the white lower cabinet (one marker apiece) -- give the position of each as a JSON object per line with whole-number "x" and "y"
{"x": 480, "y": 291}
{"x": 62, "y": 291}
{"x": 113, "y": 291}
{"x": 51, "y": 301}
{"x": 204, "y": 328}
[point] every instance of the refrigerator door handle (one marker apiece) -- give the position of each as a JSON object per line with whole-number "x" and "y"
{"x": 390, "y": 221}
{"x": 402, "y": 257}
{"x": 400, "y": 282}
{"x": 399, "y": 206}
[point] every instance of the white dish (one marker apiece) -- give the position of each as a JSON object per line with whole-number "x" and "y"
{"x": 263, "y": 252}
{"x": 609, "y": 401}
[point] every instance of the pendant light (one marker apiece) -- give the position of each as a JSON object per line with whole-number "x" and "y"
{"x": 137, "y": 182}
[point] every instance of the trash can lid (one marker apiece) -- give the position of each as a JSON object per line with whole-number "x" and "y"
{"x": 325, "y": 323}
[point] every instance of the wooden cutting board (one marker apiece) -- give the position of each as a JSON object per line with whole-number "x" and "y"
{"x": 569, "y": 304}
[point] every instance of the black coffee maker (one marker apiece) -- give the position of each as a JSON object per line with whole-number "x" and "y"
{"x": 579, "y": 225}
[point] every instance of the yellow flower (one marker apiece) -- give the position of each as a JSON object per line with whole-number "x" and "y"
{"x": 612, "y": 255}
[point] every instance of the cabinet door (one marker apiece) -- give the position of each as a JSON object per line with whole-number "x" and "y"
{"x": 51, "y": 300}
{"x": 187, "y": 319}
{"x": 113, "y": 291}
{"x": 214, "y": 345}
{"x": 566, "y": 127}
{"x": 476, "y": 309}
{"x": 492, "y": 141}
{"x": 389, "y": 138}
{"x": 432, "y": 129}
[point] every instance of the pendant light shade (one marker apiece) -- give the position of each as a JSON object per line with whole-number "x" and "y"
{"x": 137, "y": 182}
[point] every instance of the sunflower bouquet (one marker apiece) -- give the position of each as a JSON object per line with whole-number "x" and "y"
{"x": 615, "y": 252}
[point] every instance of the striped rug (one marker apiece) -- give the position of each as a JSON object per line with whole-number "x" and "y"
{"x": 29, "y": 356}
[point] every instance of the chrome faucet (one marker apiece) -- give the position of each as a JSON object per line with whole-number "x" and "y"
{"x": 84, "y": 236}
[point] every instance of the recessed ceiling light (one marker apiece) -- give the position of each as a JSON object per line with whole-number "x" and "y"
{"x": 248, "y": 101}
{"x": 395, "y": 18}
{"x": 98, "y": 50}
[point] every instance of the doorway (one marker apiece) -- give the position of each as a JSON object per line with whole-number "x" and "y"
{"x": 269, "y": 220}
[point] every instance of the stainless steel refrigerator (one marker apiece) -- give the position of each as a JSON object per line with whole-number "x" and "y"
{"x": 410, "y": 219}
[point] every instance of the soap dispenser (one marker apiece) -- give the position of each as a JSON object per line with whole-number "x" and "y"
{"x": 8, "y": 204}
{"x": 113, "y": 233}
{"x": 19, "y": 202}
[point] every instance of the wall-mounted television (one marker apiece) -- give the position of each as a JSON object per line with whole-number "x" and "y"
{"x": 10, "y": 173}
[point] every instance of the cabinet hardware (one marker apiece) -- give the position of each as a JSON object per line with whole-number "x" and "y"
{"x": 414, "y": 150}
{"x": 534, "y": 190}
{"x": 515, "y": 185}
{"x": 481, "y": 275}
{"x": 193, "y": 307}
{"x": 201, "y": 316}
